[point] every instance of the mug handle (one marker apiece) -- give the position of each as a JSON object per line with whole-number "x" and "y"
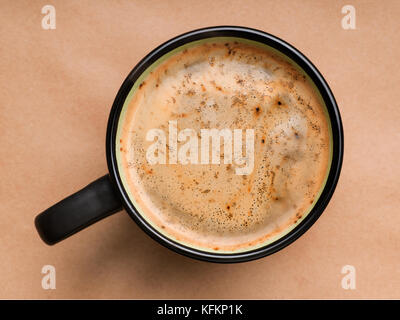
{"x": 81, "y": 209}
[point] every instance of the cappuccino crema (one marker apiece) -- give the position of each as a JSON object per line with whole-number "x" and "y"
{"x": 224, "y": 145}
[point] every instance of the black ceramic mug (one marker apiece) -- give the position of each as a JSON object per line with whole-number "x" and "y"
{"x": 107, "y": 195}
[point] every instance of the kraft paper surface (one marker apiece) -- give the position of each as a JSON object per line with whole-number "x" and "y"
{"x": 56, "y": 90}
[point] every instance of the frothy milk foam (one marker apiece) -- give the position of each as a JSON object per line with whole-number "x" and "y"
{"x": 225, "y": 84}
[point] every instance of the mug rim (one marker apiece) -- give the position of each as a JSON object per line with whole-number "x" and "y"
{"x": 335, "y": 122}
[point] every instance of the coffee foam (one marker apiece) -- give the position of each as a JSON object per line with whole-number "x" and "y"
{"x": 237, "y": 85}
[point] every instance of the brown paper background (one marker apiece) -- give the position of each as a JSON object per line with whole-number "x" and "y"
{"x": 56, "y": 90}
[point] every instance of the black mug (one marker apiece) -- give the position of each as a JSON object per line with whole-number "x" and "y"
{"x": 107, "y": 195}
